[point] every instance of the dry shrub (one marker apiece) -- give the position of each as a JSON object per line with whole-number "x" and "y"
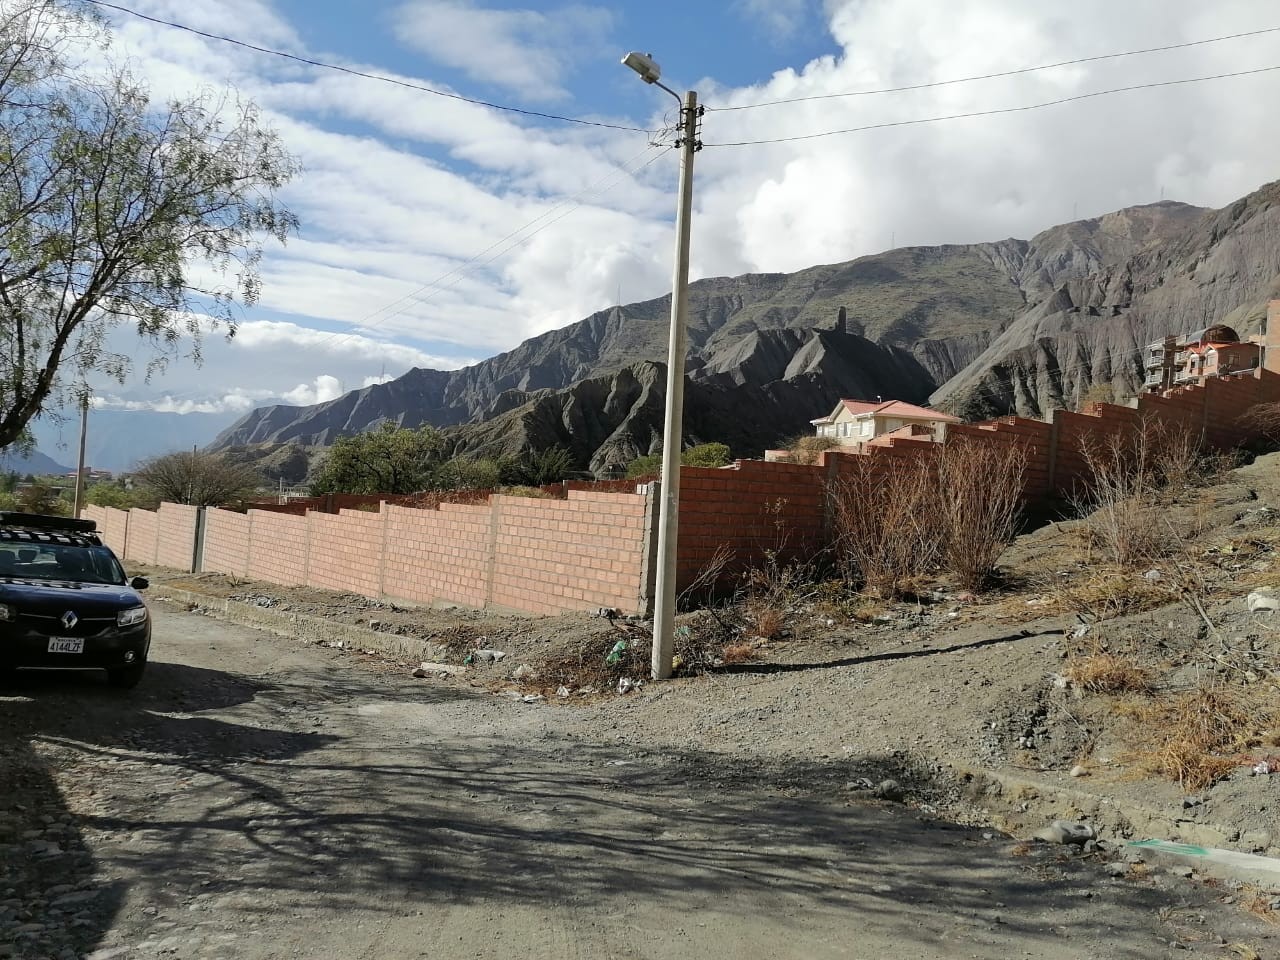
{"x": 1122, "y": 515}
{"x": 807, "y": 449}
{"x": 766, "y": 621}
{"x": 1263, "y": 419}
{"x": 1258, "y": 903}
{"x": 739, "y": 653}
{"x": 979, "y": 492}
{"x": 1106, "y": 593}
{"x": 885, "y": 522}
{"x": 1198, "y": 737}
{"x": 1102, "y": 672}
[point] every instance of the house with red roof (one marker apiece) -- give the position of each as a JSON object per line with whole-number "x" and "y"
{"x": 1213, "y": 352}
{"x": 861, "y": 421}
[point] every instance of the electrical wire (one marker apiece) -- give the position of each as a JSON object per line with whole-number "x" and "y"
{"x": 990, "y": 113}
{"x": 993, "y": 76}
{"x": 368, "y": 76}
{"x": 411, "y": 299}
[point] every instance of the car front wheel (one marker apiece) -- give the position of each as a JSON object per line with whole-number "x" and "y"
{"x": 126, "y": 678}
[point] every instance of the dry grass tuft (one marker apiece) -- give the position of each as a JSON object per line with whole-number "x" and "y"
{"x": 1022, "y": 849}
{"x": 1198, "y": 737}
{"x": 1108, "y": 673}
{"x": 1106, "y": 593}
{"x": 740, "y": 653}
{"x": 1258, "y": 903}
{"x": 766, "y": 620}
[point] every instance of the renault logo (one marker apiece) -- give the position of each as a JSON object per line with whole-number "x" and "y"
{"x": 69, "y": 619}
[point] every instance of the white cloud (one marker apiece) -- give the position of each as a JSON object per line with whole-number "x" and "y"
{"x": 525, "y": 51}
{"x": 237, "y": 401}
{"x": 321, "y": 390}
{"x": 393, "y": 215}
{"x": 779, "y": 18}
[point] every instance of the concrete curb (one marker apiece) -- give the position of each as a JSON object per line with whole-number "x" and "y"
{"x": 301, "y": 626}
{"x": 1211, "y": 862}
{"x": 1020, "y": 806}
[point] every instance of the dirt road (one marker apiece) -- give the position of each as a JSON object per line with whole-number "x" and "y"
{"x": 256, "y": 798}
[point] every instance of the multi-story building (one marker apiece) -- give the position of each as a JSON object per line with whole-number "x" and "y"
{"x": 1213, "y": 352}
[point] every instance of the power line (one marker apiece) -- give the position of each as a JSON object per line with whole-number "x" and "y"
{"x": 368, "y": 76}
{"x": 459, "y": 271}
{"x": 990, "y": 113}
{"x": 1002, "y": 73}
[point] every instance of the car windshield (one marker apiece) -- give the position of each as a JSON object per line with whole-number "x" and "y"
{"x": 56, "y": 561}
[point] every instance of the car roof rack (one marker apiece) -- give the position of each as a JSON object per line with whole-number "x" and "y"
{"x": 45, "y": 522}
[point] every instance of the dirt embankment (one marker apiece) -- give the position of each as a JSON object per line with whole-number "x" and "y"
{"x": 1140, "y": 697}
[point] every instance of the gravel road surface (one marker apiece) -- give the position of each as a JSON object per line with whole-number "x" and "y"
{"x": 258, "y": 798}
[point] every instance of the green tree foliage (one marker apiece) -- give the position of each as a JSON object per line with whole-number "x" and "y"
{"x": 40, "y": 497}
{"x": 702, "y": 455}
{"x": 116, "y": 495}
{"x": 111, "y": 207}
{"x": 537, "y": 468}
{"x": 199, "y": 478}
{"x": 390, "y": 459}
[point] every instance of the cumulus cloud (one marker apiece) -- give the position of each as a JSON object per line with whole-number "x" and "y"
{"x": 320, "y": 390}
{"x": 435, "y": 231}
{"x": 528, "y": 52}
{"x": 237, "y": 401}
{"x": 780, "y": 19}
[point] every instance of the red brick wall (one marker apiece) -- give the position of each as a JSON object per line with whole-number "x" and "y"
{"x": 752, "y": 507}
{"x": 277, "y": 548}
{"x": 140, "y": 546}
{"x": 177, "y": 535}
{"x": 226, "y": 543}
{"x": 438, "y": 555}
{"x": 577, "y": 554}
{"x": 346, "y": 551}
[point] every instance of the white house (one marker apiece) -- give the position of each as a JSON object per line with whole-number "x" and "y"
{"x": 857, "y": 421}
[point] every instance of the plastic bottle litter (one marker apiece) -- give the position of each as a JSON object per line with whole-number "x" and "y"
{"x": 615, "y": 655}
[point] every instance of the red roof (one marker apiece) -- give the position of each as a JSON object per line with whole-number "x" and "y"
{"x": 888, "y": 408}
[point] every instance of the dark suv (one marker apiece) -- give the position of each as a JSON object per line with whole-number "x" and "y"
{"x": 65, "y": 603}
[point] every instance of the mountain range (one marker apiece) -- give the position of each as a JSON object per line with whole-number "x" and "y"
{"x": 981, "y": 329}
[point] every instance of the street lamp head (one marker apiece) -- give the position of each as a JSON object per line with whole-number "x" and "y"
{"x": 643, "y": 64}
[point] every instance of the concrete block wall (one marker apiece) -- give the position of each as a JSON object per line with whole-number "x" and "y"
{"x": 345, "y": 551}
{"x": 226, "y": 543}
{"x": 435, "y": 555}
{"x": 176, "y": 535}
{"x": 278, "y": 546}
{"x": 584, "y": 552}
{"x": 140, "y": 544}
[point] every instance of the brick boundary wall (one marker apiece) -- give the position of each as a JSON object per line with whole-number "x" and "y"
{"x": 588, "y": 548}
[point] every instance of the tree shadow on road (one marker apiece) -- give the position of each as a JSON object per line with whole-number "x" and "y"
{"x": 415, "y": 811}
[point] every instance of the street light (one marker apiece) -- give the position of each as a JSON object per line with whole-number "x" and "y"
{"x": 672, "y": 438}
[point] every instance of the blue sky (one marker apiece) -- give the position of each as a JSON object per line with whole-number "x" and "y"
{"x": 401, "y": 189}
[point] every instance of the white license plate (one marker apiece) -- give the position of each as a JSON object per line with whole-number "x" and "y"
{"x": 66, "y": 645}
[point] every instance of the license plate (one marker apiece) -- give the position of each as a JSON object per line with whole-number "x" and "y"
{"x": 66, "y": 645}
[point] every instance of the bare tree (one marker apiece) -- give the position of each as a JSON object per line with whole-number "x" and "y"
{"x": 198, "y": 478}
{"x": 110, "y": 206}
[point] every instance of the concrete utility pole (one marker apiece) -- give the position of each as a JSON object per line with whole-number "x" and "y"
{"x": 84, "y": 434}
{"x": 664, "y": 613}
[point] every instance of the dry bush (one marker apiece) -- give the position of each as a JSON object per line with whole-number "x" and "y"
{"x": 767, "y": 621}
{"x": 1103, "y": 672}
{"x": 1120, "y": 506}
{"x": 739, "y": 653}
{"x": 978, "y": 498}
{"x": 1258, "y": 902}
{"x": 1264, "y": 420}
{"x": 1198, "y": 737}
{"x": 885, "y": 521}
{"x": 806, "y": 449}
{"x": 1105, "y": 593}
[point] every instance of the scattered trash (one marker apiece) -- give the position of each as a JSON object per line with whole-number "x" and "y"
{"x": 889, "y": 790}
{"x": 1265, "y": 767}
{"x": 615, "y": 655}
{"x": 375, "y": 624}
{"x": 1153, "y": 575}
{"x": 563, "y": 691}
{"x": 1079, "y": 632}
{"x": 1079, "y": 771}
{"x": 523, "y": 672}
{"x": 1066, "y": 832}
{"x": 438, "y": 670}
{"x": 626, "y": 685}
{"x": 488, "y": 656}
{"x": 1263, "y": 601}
{"x": 861, "y": 783}
{"x": 532, "y": 697}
